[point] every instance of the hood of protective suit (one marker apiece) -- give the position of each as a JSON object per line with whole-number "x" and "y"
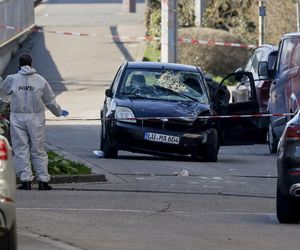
{"x": 27, "y": 70}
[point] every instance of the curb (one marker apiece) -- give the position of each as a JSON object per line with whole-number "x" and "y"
{"x": 96, "y": 176}
{"x": 61, "y": 179}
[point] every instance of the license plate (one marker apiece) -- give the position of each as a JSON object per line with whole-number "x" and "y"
{"x": 161, "y": 138}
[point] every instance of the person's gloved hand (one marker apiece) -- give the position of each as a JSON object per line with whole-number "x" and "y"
{"x": 64, "y": 113}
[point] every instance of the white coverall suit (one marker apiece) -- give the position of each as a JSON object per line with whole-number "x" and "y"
{"x": 29, "y": 93}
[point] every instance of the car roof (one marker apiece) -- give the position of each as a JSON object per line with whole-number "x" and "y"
{"x": 268, "y": 46}
{"x": 159, "y": 65}
{"x": 291, "y": 35}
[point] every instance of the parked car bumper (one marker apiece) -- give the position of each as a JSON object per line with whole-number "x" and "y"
{"x": 131, "y": 137}
{"x": 289, "y": 168}
{"x": 7, "y": 214}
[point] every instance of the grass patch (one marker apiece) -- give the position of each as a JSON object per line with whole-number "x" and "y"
{"x": 151, "y": 54}
{"x": 228, "y": 82}
{"x": 59, "y": 166}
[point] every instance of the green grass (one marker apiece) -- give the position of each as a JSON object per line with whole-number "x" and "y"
{"x": 228, "y": 82}
{"x": 59, "y": 166}
{"x": 151, "y": 54}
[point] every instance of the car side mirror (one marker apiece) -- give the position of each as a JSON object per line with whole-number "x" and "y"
{"x": 208, "y": 77}
{"x": 109, "y": 93}
{"x": 238, "y": 77}
{"x": 240, "y": 69}
{"x": 263, "y": 70}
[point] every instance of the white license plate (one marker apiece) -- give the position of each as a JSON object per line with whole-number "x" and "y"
{"x": 161, "y": 138}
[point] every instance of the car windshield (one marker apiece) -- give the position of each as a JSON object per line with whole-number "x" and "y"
{"x": 164, "y": 84}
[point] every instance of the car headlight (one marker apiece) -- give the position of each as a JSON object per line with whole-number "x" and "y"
{"x": 125, "y": 115}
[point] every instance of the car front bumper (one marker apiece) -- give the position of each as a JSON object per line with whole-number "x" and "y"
{"x": 131, "y": 137}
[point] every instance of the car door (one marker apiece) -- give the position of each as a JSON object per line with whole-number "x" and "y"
{"x": 284, "y": 88}
{"x": 236, "y": 129}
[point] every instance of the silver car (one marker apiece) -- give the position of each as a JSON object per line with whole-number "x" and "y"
{"x": 8, "y": 239}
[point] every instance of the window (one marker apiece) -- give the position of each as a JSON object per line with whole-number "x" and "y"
{"x": 115, "y": 81}
{"x": 289, "y": 55}
{"x": 249, "y": 64}
{"x": 159, "y": 84}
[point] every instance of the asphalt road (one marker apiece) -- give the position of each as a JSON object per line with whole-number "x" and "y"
{"x": 144, "y": 205}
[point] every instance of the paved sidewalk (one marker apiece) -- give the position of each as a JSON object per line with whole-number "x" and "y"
{"x": 79, "y": 69}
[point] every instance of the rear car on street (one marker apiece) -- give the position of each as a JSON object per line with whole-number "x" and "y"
{"x": 8, "y": 236}
{"x": 166, "y": 109}
{"x": 288, "y": 182}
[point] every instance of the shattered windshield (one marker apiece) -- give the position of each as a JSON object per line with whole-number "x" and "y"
{"x": 163, "y": 85}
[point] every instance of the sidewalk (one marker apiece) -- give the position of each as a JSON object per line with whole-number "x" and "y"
{"x": 80, "y": 68}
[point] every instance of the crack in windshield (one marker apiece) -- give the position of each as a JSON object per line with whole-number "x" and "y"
{"x": 176, "y": 93}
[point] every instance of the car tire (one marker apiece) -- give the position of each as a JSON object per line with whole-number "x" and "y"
{"x": 108, "y": 150}
{"x": 271, "y": 141}
{"x": 211, "y": 148}
{"x": 262, "y": 136}
{"x": 287, "y": 208}
{"x": 8, "y": 240}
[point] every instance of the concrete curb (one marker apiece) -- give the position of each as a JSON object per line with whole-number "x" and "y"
{"x": 96, "y": 176}
{"x": 64, "y": 179}
{"x": 77, "y": 178}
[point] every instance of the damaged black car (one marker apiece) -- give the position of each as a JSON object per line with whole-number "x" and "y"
{"x": 169, "y": 109}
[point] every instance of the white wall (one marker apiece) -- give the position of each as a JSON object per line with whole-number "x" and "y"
{"x": 15, "y": 13}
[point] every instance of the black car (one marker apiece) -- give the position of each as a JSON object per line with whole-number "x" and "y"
{"x": 164, "y": 109}
{"x": 288, "y": 182}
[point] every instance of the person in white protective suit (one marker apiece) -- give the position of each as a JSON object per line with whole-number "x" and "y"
{"x": 29, "y": 93}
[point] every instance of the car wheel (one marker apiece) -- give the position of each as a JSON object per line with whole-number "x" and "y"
{"x": 287, "y": 208}
{"x": 8, "y": 239}
{"x": 210, "y": 150}
{"x": 271, "y": 140}
{"x": 109, "y": 151}
{"x": 262, "y": 136}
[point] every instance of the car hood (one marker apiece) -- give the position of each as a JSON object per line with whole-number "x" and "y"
{"x": 155, "y": 108}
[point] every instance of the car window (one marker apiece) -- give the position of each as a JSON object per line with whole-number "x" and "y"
{"x": 258, "y": 57}
{"x": 290, "y": 55}
{"x": 271, "y": 61}
{"x": 249, "y": 64}
{"x": 163, "y": 85}
{"x": 116, "y": 79}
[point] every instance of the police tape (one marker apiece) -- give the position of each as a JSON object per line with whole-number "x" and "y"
{"x": 137, "y": 38}
{"x": 170, "y": 118}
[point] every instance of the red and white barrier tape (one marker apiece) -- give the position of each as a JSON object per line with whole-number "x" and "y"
{"x": 143, "y": 38}
{"x": 214, "y": 43}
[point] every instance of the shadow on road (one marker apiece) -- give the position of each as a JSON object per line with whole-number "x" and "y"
{"x": 119, "y": 44}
